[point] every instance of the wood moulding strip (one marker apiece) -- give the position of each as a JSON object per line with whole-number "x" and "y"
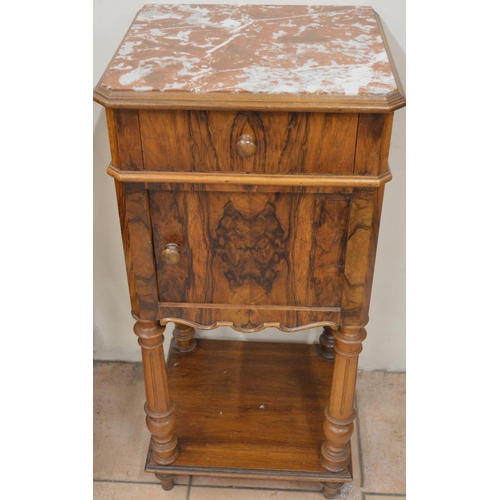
{"x": 121, "y": 99}
{"x": 168, "y": 313}
{"x": 259, "y": 328}
{"x": 229, "y": 178}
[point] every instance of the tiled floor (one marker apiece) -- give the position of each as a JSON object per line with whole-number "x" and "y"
{"x": 121, "y": 439}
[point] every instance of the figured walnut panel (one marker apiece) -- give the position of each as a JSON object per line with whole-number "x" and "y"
{"x": 206, "y": 141}
{"x": 358, "y": 273}
{"x": 276, "y": 249}
{"x": 138, "y": 247}
{"x": 372, "y": 146}
{"x": 128, "y": 139}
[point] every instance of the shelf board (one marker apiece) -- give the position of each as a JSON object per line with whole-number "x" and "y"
{"x": 250, "y": 409}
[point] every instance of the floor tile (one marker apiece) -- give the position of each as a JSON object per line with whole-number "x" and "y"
{"x": 381, "y": 403}
{"x": 233, "y": 492}
{"x": 249, "y": 494}
{"x": 136, "y": 491}
{"x": 121, "y": 437}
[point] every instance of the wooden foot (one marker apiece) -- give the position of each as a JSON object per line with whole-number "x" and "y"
{"x": 327, "y": 342}
{"x": 167, "y": 481}
{"x": 332, "y": 490}
{"x": 184, "y": 340}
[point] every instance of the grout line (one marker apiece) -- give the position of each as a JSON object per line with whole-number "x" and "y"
{"x": 189, "y": 487}
{"x": 116, "y": 362}
{"x": 130, "y": 482}
{"x": 370, "y": 493}
{"x": 358, "y": 429}
{"x": 379, "y": 370}
{"x": 254, "y": 488}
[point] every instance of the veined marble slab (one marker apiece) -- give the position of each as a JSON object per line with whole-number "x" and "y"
{"x": 280, "y": 49}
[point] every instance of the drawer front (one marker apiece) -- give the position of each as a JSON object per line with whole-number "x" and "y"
{"x": 278, "y": 142}
{"x": 277, "y": 249}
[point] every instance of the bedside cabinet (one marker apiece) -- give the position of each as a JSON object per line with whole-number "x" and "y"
{"x": 249, "y": 150}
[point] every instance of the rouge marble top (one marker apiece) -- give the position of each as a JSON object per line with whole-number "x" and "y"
{"x": 259, "y": 49}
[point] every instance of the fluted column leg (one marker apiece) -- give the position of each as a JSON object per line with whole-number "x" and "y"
{"x": 340, "y": 413}
{"x": 159, "y": 406}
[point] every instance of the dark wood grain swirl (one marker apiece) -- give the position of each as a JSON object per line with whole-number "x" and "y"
{"x": 253, "y": 248}
{"x": 206, "y": 141}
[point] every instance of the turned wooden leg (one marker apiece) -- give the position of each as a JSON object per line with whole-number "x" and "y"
{"x": 167, "y": 481}
{"x": 340, "y": 414}
{"x": 159, "y": 406}
{"x": 184, "y": 340}
{"x": 326, "y": 342}
{"x": 332, "y": 490}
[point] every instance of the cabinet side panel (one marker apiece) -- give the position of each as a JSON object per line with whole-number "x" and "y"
{"x": 358, "y": 272}
{"x": 166, "y": 140}
{"x": 372, "y": 147}
{"x": 331, "y": 139}
{"x": 128, "y": 139}
{"x": 113, "y": 138}
{"x": 139, "y": 253}
{"x": 120, "y": 198}
{"x": 377, "y": 212}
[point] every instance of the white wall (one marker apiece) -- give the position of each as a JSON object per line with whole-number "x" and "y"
{"x": 114, "y": 339}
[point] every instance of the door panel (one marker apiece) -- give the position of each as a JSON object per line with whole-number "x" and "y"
{"x": 277, "y": 249}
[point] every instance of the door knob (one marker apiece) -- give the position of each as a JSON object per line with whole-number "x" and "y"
{"x": 171, "y": 254}
{"x": 245, "y": 146}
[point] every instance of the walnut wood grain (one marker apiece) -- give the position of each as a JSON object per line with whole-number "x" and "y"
{"x": 251, "y": 248}
{"x": 139, "y": 253}
{"x": 113, "y": 136}
{"x": 128, "y": 141}
{"x": 372, "y": 145}
{"x": 127, "y": 250}
{"x": 207, "y": 141}
{"x": 356, "y": 280}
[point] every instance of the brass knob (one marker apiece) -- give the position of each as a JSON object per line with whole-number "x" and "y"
{"x": 171, "y": 254}
{"x": 246, "y": 145}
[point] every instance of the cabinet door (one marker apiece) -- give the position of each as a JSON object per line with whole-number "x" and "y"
{"x": 276, "y": 249}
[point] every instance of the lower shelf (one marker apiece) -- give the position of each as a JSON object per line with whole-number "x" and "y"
{"x": 250, "y": 409}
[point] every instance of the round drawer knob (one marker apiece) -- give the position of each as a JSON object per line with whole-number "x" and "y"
{"x": 171, "y": 254}
{"x": 246, "y": 145}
